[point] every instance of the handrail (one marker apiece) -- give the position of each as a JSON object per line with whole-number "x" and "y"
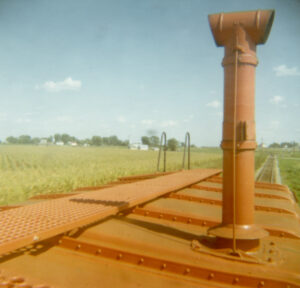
{"x": 163, "y": 137}
{"x": 187, "y": 141}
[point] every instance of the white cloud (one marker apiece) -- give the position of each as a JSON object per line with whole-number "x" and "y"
{"x": 67, "y": 84}
{"x": 214, "y": 104}
{"x": 283, "y": 70}
{"x": 168, "y": 123}
{"x": 121, "y": 119}
{"x": 276, "y": 99}
{"x": 147, "y": 122}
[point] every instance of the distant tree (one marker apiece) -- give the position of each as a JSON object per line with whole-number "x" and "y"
{"x": 274, "y": 145}
{"x": 154, "y": 141}
{"x": 96, "y": 141}
{"x": 57, "y": 138}
{"x": 24, "y": 139}
{"x": 12, "y": 140}
{"x": 172, "y": 144}
{"x": 145, "y": 140}
{"x": 65, "y": 138}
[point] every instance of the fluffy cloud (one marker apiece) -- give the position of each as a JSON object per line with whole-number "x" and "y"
{"x": 168, "y": 123}
{"x": 276, "y": 99}
{"x": 283, "y": 70}
{"x": 67, "y": 84}
{"x": 214, "y": 104}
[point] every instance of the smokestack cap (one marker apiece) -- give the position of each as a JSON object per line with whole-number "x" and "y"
{"x": 257, "y": 24}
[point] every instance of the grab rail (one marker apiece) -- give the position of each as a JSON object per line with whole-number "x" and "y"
{"x": 187, "y": 141}
{"x": 163, "y": 137}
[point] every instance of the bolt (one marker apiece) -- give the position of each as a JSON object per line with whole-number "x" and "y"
{"x": 141, "y": 261}
{"x": 78, "y": 246}
{"x": 164, "y": 266}
{"x": 204, "y": 223}
{"x": 59, "y": 242}
{"x": 161, "y": 216}
{"x": 146, "y": 213}
{"x": 189, "y": 220}
{"x": 211, "y": 276}
{"x": 270, "y": 259}
{"x": 99, "y": 251}
{"x": 282, "y": 234}
{"x": 174, "y": 218}
{"x": 261, "y": 284}
{"x": 187, "y": 270}
{"x": 236, "y": 280}
{"x": 120, "y": 256}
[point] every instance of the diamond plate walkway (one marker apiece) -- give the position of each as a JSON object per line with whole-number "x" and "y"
{"x": 28, "y": 224}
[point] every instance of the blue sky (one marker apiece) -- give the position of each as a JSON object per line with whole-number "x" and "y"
{"x": 124, "y": 67}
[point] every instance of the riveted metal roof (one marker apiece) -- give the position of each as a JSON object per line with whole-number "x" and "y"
{"x": 157, "y": 239}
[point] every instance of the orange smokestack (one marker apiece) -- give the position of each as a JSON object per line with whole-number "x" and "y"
{"x": 239, "y": 33}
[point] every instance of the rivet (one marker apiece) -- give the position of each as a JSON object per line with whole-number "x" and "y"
{"x": 211, "y": 276}
{"x": 261, "y": 283}
{"x": 141, "y": 261}
{"x": 272, "y": 243}
{"x": 36, "y": 238}
{"x": 164, "y": 266}
{"x": 133, "y": 211}
{"x": 174, "y": 218}
{"x": 161, "y": 216}
{"x": 78, "y": 246}
{"x": 187, "y": 270}
{"x": 189, "y": 220}
{"x": 282, "y": 234}
{"x": 204, "y": 223}
{"x": 146, "y": 213}
{"x": 270, "y": 259}
{"x": 120, "y": 256}
{"x": 99, "y": 251}
{"x": 236, "y": 280}
{"x": 59, "y": 241}
{"x": 17, "y": 279}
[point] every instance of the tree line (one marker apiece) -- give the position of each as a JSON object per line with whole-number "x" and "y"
{"x": 151, "y": 141}
{"x": 66, "y": 138}
{"x": 284, "y": 145}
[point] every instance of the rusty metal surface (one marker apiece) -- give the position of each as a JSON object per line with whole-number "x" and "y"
{"x": 137, "y": 244}
{"x": 32, "y": 223}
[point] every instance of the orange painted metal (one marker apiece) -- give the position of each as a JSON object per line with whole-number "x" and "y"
{"x": 33, "y": 223}
{"x": 204, "y": 222}
{"x": 220, "y": 202}
{"x": 239, "y": 33}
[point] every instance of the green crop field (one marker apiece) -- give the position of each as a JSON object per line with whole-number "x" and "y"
{"x": 289, "y": 165}
{"x": 30, "y": 170}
